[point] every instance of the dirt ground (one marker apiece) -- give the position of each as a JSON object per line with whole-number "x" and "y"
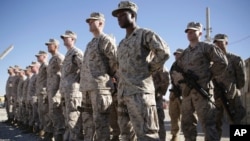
{"x": 10, "y": 133}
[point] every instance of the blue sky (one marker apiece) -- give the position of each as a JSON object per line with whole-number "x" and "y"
{"x": 28, "y": 24}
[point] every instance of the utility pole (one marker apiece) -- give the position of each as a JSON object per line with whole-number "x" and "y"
{"x": 208, "y": 29}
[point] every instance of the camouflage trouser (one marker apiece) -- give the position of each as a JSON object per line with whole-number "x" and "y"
{"x": 56, "y": 118}
{"x": 27, "y": 112}
{"x": 42, "y": 111}
{"x": 35, "y": 118}
{"x": 195, "y": 102}
{"x": 73, "y": 99}
{"x": 161, "y": 117}
{"x": 96, "y": 121}
{"x": 11, "y": 107}
{"x": 175, "y": 113}
{"x": 137, "y": 114}
{"x": 6, "y": 103}
{"x": 113, "y": 117}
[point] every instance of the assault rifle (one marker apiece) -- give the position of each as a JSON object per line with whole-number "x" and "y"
{"x": 191, "y": 80}
{"x": 222, "y": 95}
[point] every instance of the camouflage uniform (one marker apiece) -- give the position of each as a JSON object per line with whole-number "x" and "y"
{"x": 113, "y": 114}
{"x": 175, "y": 102}
{"x": 54, "y": 97}
{"x": 32, "y": 97}
{"x": 20, "y": 97}
{"x": 69, "y": 89}
{"x": 97, "y": 68}
{"x": 25, "y": 100}
{"x": 14, "y": 94}
{"x": 198, "y": 60}
{"x": 161, "y": 83}
{"x": 9, "y": 97}
{"x": 139, "y": 54}
{"x": 33, "y": 113}
{"x": 232, "y": 80}
{"x": 42, "y": 97}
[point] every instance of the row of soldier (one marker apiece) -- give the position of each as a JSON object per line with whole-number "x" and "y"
{"x": 122, "y": 87}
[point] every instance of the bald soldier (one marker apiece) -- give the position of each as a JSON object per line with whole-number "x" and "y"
{"x": 56, "y": 126}
{"x": 195, "y": 60}
{"x": 97, "y": 69}
{"x": 69, "y": 86}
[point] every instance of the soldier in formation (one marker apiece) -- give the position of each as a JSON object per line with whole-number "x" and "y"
{"x": 161, "y": 82}
{"x": 139, "y": 54}
{"x": 41, "y": 92}
{"x": 228, "y": 85}
{"x": 69, "y": 86}
{"x": 116, "y": 93}
{"x": 174, "y": 107}
{"x": 98, "y": 68}
{"x": 195, "y": 66}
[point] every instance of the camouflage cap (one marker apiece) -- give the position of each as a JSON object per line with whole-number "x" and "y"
{"x": 194, "y": 26}
{"x": 95, "y": 16}
{"x": 16, "y": 67}
{"x": 27, "y": 68}
{"x": 10, "y": 67}
{"x": 179, "y": 50}
{"x": 19, "y": 70}
{"x": 33, "y": 64}
{"x": 41, "y": 53}
{"x": 125, "y": 5}
{"x": 220, "y": 37}
{"x": 69, "y": 34}
{"x": 52, "y": 41}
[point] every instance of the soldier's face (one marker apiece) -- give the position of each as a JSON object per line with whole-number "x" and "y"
{"x": 124, "y": 18}
{"x": 221, "y": 44}
{"x": 52, "y": 48}
{"x": 177, "y": 56}
{"x": 93, "y": 25}
{"x": 193, "y": 35}
{"x": 68, "y": 42}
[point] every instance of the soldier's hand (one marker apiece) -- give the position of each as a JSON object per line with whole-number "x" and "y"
{"x": 177, "y": 77}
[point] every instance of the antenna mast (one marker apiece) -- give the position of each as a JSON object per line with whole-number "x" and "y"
{"x": 208, "y": 29}
{"x": 6, "y": 51}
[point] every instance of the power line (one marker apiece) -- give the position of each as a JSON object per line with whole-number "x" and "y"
{"x": 240, "y": 40}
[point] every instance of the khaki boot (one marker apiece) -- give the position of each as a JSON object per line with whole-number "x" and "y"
{"x": 58, "y": 137}
{"x": 175, "y": 138}
{"x": 41, "y": 133}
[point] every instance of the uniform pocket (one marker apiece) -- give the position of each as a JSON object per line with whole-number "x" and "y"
{"x": 104, "y": 102}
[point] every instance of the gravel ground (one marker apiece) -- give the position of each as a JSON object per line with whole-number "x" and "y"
{"x": 12, "y": 133}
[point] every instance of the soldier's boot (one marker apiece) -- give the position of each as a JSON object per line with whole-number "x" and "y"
{"x": 58, "y": 137}
{"x": 41, "y": 134}
{"x": 115, "y": 138}
{"x": 48, "y": 136}
{"x": 175, "y": 138}
{"x": 36, "y": 130}
{"x": 26, "y": 129}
